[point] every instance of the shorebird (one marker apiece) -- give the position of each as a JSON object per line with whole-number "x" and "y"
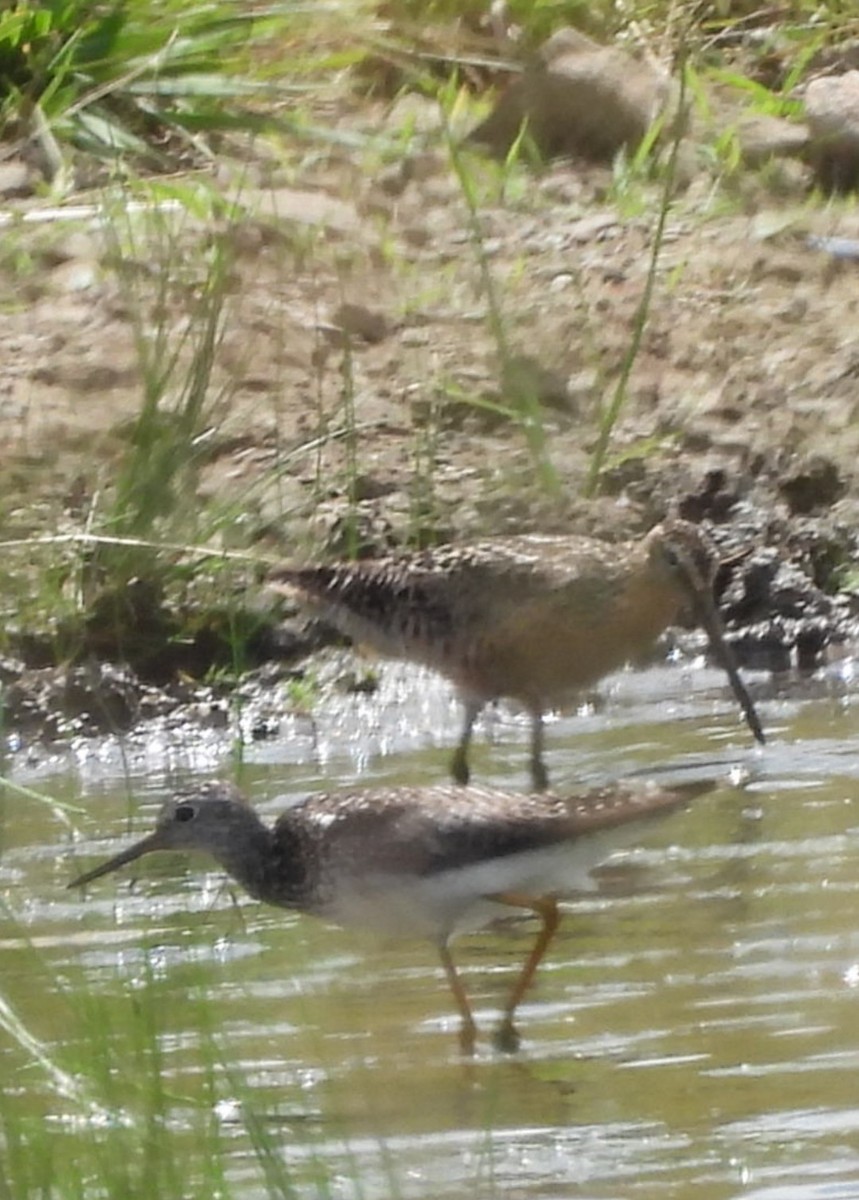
{"x": 533, "y": 618}
{"x": 426, "y": 862}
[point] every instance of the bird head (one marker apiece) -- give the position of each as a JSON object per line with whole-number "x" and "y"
{"x": 208, "y": 818}
{"x": 688, "y": 557}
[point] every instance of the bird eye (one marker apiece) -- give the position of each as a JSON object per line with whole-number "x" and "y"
{"x": 184, "y": 812}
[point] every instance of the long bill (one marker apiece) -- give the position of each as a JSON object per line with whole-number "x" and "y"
{"x": 152, "y": 841}
{"x": 712, "y": 622}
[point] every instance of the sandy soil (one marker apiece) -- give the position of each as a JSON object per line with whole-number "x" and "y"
{"x": 748, "y": 363}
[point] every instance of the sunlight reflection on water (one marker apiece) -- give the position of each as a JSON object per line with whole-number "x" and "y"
{"x": 693, "y": 1031}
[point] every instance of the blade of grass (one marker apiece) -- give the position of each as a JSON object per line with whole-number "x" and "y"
{"x": 59, "y": 808}
{"x": 612, "y": 413}
{"x": 530, "y": 414}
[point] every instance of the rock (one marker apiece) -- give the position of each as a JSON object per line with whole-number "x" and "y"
{"x": 776, "y": 615}
{"x": 394, "y": 179}
{"x": 843, "y": 249}
{"x": 74, "y": 247}
{"x": 11, "y": 669}
{"x": 579, "y": 99}
{"x": 16, "y": 180}
{"x": 837, "y": 57}
{"x": 832, "y": 114}
{"x": 64, "y": 701}
{"x": 74, "y": 276}
{"x": 594, "y": 227}
{"x": 291, "y": 205}
{"x": 358, "y": 683}
{"x": 583, "y": 389}
{"x": 525, "y": 381}
{"x": 371, "y": 487}
{"x": 763, "y": 137}
{"x": 358, "y": 320}
{"x": 103, "y": 696}
{"x": 415, "y": 113}
{"x": 815, "y": 483}
{"x": 713, "y": 499}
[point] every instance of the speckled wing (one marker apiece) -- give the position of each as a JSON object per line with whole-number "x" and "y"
{"x": 424, "y": 831}
{"x": 421, "y": 605}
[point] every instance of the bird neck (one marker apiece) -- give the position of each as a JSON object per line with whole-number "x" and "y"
{"x": 248, "y": 855}
{"x": 278, "y": 866}
{"x": 654, "y": 596}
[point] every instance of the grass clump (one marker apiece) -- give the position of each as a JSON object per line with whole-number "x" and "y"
{"x": 131, "y": 82}
{"x": 132, "y": 1100}
{"x": 126, "y": 584}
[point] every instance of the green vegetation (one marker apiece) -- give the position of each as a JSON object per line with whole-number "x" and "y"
{"x": 116, "y": 1108}
{"x": 135, "y": 84}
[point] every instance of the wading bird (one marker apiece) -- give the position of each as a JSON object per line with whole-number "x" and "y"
{"x": 415, "y": 862}
{"x": 532, "y": 618}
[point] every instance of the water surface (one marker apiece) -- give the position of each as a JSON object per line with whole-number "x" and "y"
{"x": 692, "y": 1033}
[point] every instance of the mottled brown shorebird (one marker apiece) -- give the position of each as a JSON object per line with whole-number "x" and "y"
{"x": 415, "y": 862}
{"x": 533, "y": 618}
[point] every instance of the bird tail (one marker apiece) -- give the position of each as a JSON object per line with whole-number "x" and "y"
{"x": 310, "y": 583}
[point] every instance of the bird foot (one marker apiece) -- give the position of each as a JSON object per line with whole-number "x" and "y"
{"x": 467, "y": 1038}
{"x": 459, "y": 768}
{"x": 506, "y": 1038}
{"x": 539, "y": 776}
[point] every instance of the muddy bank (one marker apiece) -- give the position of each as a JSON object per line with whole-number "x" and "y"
{"x": 784, "y": 589}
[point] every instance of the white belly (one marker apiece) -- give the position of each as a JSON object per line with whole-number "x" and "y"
{"x": 450, "y": 902}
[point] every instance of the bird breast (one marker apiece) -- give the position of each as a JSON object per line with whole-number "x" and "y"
{"x": 546, "y": 651}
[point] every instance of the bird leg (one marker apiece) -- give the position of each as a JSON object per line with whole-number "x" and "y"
{"x": 459, "y": 764}
{"x": 467, "y": 1029}
{"x": 546, "y": 908}
{"x": 539, "y": 774}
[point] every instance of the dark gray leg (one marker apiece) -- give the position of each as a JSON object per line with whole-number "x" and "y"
{"x": 539, "y": 774}
{"x": 459, "y": 764}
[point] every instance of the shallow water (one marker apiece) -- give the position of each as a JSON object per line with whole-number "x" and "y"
{"x": 694, "y": 1031}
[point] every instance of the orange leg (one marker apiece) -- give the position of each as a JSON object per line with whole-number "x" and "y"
{"x": 546, "y": 908}
{"x": 467, "y": 1030}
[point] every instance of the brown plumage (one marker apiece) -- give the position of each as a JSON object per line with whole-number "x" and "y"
{"x": 414, "y": 862}
{"x": 532, "y": 618}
